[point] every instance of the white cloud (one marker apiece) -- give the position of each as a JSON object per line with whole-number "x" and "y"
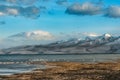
{"x": 25, "y": 8}
{"x": 29, "y": 12}
{"x": 1, "y": 13}
{"x": 90, "y": 34}
{"x": 79, "y": 35}
{"x": 33, "y": 35}
{"x": 113, "y": 12}
{"x": 12, "y": 11}
{"x": 27, "y": 38}
{"x": 86, "y": 8}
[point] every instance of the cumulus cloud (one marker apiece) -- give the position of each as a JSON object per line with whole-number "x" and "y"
{"x": 86, "y": 8}
{"x": 30, "y": 12}
{"x": 33, "y": 8}
{"x": 89, "y": 8}
{"x": 112, "y": 12}
{"x": 25, "y": 8}
{"x": 33, "y": 35}
{"x": 27, "y": 38}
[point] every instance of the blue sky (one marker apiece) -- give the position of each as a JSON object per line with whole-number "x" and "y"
{"x": 54, "y": 18}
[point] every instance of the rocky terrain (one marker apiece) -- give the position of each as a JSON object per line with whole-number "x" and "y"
{"x": 100, "y": 44}
{"x": 71, "y": 71}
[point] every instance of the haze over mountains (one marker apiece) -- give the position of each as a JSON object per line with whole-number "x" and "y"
{"x": 105, "y": 43}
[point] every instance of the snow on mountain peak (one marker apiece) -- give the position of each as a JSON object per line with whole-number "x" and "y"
{"x": 107, "y": 35}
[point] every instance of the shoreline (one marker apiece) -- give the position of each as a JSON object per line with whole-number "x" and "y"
{"x": 63, "y": 54}
{"x": 71, "y": 71}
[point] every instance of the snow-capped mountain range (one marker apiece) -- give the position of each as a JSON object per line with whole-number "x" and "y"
{"x": 105, "y": 43}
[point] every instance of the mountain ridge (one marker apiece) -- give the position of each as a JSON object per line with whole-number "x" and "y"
{"x": 100, "y": 44}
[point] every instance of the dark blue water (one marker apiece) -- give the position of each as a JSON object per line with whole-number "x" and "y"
{"x": 11, "y": 64}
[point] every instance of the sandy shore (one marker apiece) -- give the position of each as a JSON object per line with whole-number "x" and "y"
{"x": 72, "y": 71}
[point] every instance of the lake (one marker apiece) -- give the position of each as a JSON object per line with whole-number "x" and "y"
{"x": 17, "y": 63}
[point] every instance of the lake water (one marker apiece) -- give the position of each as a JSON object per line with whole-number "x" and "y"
{"x": 11, "y": 64}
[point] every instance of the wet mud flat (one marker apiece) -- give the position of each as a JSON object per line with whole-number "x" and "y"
{"x": 71, "y": 71}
